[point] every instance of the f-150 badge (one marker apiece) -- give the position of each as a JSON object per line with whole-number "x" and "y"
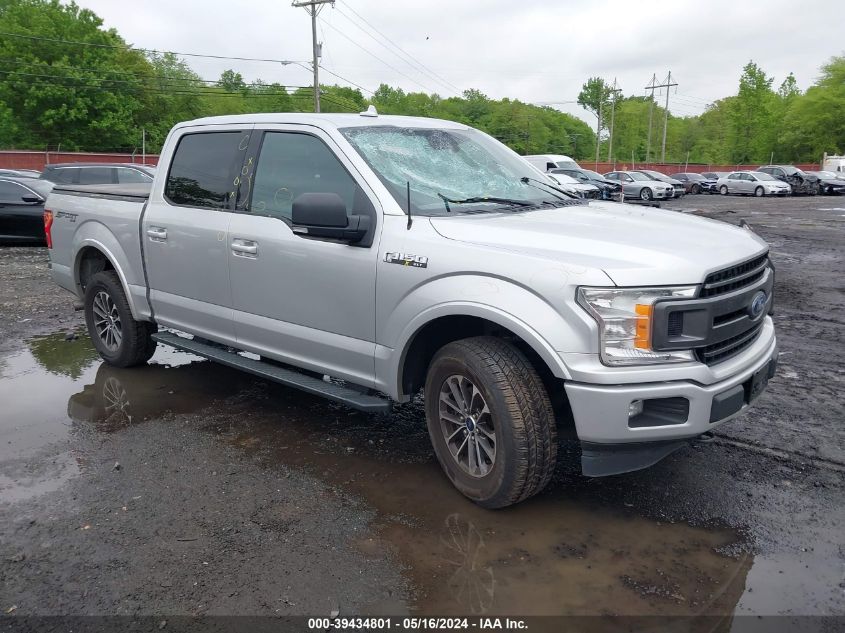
{"x": 404, "y": 259}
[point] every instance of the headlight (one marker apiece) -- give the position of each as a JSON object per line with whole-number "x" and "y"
{"x": 624, "y": 316}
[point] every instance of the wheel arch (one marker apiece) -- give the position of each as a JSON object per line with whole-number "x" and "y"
{"x": 443, "y": 324}
{"x": 92, "y": 256}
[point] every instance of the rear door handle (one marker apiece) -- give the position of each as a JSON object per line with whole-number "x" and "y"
{"x": 244, "y": 248}
{"x": 157, "y": 234}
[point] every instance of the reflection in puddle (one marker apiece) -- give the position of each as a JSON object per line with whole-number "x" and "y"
{"x": 555, "y": 554}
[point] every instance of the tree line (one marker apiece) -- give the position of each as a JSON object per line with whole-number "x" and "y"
{"x": 65, "y": 81}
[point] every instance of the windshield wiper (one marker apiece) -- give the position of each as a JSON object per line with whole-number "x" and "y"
{"x": 529, "y": 181}
{"x": 481, "y": 199}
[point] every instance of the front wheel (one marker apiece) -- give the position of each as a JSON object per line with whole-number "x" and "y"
{"x": 120, "y": 340}
{"x": 695, "y": 190}
{"x": 490, "y": 420}
{"x": 646, "y": 194}
{"x": 759, "y": 192}
{"x": 723, "y": 190}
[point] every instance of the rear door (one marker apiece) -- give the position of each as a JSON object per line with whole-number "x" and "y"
{"x": 303, "y": 300}
{"x": 185, "y": 231}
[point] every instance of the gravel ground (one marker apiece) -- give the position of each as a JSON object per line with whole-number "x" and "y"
{"x": 187, "y": 488}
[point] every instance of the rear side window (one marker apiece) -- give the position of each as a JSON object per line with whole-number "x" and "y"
{"x": 126, "y": 175}
{"x": 291, "y": 164}
{"x": 62, "y": 176}
{"x": 205, "y": 168}
{"x": 96, "y": 175}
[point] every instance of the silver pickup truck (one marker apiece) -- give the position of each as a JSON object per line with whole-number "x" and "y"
{"x": 364, "y": 258}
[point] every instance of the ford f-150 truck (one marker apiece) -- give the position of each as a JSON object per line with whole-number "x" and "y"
{"x": 364, "y": 258}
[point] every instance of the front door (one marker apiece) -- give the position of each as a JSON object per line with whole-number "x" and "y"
{"x": 306, "y": 301}
{"x": 185, "y": 233}
{"x": 19, "y": 219}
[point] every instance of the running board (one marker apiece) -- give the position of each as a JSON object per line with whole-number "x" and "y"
{"x": 288, "y": 377}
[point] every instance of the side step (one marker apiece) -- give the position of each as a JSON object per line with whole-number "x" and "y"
{"x": 288, "y": 377}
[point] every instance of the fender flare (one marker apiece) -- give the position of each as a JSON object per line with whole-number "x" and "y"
{"x": 90, "y": 242}
{"x": 520, "y": 328}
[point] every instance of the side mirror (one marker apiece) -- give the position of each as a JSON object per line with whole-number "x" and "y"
{"x": 31, "y": 199}
{"x": 324, "y": 215}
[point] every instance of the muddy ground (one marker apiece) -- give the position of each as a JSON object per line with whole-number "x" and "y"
{"x": 186, "y": 488}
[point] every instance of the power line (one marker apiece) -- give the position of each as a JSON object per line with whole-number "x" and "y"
{"x": 145, "y": 50}
{"x": 371, "y": 54}
{"x": 313, "y": 8}
{"x": 349, "y": 81}
{"x": 398, "y": 51}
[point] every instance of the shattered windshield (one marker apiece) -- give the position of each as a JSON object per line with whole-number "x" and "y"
{"x": 452, "y": 163}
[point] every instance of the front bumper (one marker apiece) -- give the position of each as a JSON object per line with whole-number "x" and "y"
{"x": 601, "y": 412}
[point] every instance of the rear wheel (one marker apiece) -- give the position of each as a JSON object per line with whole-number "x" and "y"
{"x": 646, "y": 194}
{"x": 120, "y": 340}
{"x": 490, "y": 420}
{"x": 759, "y": 192}
{"x": 723, "y": 190}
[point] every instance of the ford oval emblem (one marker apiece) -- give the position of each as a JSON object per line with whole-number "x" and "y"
{"x": 758, "y": 304}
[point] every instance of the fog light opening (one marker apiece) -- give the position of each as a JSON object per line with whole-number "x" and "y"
{"x": 635, "y": 408}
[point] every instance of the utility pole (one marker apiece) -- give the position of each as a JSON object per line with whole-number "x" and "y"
{"x": 598, "y": 125}
{"x": 650, "y": 115}
{"x": 666, "y": 85}
{"x": 613, "y": 92}
{"x": 313, "y": 8}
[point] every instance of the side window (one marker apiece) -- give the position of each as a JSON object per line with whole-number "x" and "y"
{"x": 10, "y": 192}
{"x": 205, "y": 168}
{"x": 291, "y": 164}
{"x": 126, "y": 175}
{"x": 550, "y": 166}
{"x": 62, "y": 176}
{"x": 627, "y": 178}
{"x": 96, "y": 175}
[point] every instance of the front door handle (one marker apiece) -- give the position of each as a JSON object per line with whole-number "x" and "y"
{"x": 244, "y": 248}
{"x": 157, "y": 234}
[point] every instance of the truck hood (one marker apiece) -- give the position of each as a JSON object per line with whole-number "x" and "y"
{"x": 633, "y": 245}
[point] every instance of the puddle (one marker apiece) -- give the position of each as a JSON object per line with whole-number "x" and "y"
{"x": 555, "y": 554}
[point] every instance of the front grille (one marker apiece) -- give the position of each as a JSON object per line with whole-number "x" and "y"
{"x": 676, "y": 324}
{"x": 735, "y": 277}
{"x": 718, "y": 352}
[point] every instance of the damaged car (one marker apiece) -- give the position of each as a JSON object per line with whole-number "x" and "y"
{"x": 800, "y": 181}
{"x": 830, "y": 183}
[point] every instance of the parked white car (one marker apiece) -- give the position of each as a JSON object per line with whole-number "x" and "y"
{"x": 547, "y": 162}
{"x": 582, "y": 189}
{"x": 752, "y": 183}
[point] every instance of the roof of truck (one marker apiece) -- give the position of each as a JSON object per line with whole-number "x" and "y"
{"x": 324, "y": 119}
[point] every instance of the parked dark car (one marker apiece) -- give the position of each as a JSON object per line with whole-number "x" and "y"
{"x": 677, "y": 185}
{"x": 696, "y": 183}
{"x": 98, "y": 173}
{"x": 715, "y": 175}
{"x": 22, "y": 209}
{"x": 830, "y": 183}
{"x": 799, "y": 180}
{"x": 20, "y": 173}
{"x": 609, "y": 189}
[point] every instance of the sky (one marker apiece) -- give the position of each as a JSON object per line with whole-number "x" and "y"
{"x": 537, "y": 51}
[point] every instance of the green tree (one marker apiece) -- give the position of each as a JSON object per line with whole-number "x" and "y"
{"x": 231, "y": 81}
{"x": 752, "y": 116}
{"x": 76, "y": 95}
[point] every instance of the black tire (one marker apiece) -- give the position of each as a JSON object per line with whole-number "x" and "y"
{"x": 520, "y": 414}
{"x": 646, "y": 194}
{"x": 723, "y": 190}
{"x": 695, "y": 190}
{"x": 135, "y": 345}
{"x": 759, "y": 192}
